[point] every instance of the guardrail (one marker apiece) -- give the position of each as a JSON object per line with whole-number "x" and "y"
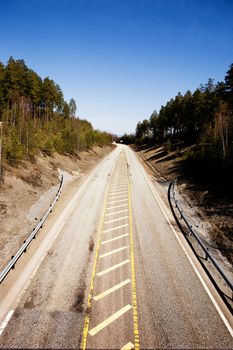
{"x": 171, "y": 196}
{"x": 32, "y": 236}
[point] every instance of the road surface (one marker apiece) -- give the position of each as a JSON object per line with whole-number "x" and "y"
{"x": 117, "y": 275}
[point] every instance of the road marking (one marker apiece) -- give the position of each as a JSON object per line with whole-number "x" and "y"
{"x": 118, "y": 201}
{"x": 109, "y": 320}
{"x": 221, "y": 314}
{"x": 117, "y": 212}
{"x": 111, "y": 290}
{"x": 115, "y": 228}
{"x": 90, "y": 296}
{"x": 117, "y": 197}
{"x": 119, "y": 187}
{"x": 128, "y": 346}
{"x": 123, "y": 217}
{"x": 6, "y": 320}
{"x": 117, "y": 192}
{"x": 122, "y": 179}
{"x": 114, "y": 239}
{"x": 113, "y": 251}
{"x": 119, "y": 182}
{"x": 118, "y": 206}
{"x": 134, "y": 293}
{"x": 112, "y": 268}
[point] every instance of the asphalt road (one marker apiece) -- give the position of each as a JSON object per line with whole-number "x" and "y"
{"x": 118, "y": 274}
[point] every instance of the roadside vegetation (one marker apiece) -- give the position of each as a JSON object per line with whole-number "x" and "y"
{"x": 202, "y": 120}
{"x": 36, "y": 117}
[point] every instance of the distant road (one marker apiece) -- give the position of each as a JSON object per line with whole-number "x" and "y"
{"x": 119, "y": 275}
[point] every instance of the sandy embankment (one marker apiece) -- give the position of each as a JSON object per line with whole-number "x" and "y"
{"x": 206, "y": 216}
{"x": 29, "y": 188}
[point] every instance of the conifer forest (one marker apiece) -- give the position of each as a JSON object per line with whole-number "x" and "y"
{"x": 35, "y": 116}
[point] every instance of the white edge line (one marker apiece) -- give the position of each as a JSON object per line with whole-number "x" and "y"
{"x": 6, "y": 320}
{"x": 227, "y": 324}
{"x": 66, "y": 212}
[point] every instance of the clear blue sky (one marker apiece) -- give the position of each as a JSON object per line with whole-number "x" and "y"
{"x": 120, "y": 59}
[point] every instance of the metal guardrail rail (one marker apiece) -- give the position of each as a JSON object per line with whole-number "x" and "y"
{"x": 171, "y": 195}
{"x": 33, "y": 234}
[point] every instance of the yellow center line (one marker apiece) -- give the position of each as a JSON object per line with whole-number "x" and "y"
{"x": 90, "y": 296}
{"x": 134, "y": 291}
{"x": 101, "y": 230}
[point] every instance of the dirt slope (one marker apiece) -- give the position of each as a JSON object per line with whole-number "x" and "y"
{"x": 211, "y": 216}
{"x": 29, "y": 188}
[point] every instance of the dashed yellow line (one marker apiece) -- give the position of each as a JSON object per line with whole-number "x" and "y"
{"x": 120, "y": 312}
{"x": 134, "y": 293}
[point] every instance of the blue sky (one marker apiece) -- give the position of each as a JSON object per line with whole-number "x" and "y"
{"x": 120, "y": 60}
